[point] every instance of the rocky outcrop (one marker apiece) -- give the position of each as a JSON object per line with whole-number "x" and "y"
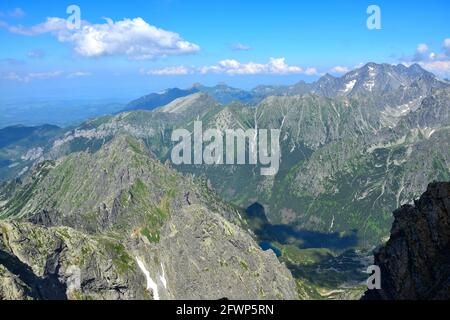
{"x": 60, "y": 263}
{"x": 118, "y": 224}
{"x": 415, "y": 262}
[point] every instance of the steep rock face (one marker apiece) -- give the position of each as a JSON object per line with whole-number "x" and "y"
{"x": 61, "y": 263}
{"x": 415, "y": 262}
{"x": 134, "y": 229}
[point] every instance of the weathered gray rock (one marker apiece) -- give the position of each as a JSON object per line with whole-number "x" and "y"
{"x": 118, "y": 224}
{"x": 415, "y": 262}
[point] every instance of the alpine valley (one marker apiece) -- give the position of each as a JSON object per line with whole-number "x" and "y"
{"x": 102, "y": 200}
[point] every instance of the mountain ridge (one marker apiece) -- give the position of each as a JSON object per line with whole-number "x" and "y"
{"x": 329, "y": 145}
{"x": 365, "y": 78}
{"x": 151, "y": 221}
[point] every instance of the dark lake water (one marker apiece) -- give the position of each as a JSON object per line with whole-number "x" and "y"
{"x": 266, "y": 245}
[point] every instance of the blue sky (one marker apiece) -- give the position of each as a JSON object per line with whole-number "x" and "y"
{"x": 151, "y": 45}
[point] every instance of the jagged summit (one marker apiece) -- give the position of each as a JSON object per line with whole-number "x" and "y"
{"x": 388, "y": 83}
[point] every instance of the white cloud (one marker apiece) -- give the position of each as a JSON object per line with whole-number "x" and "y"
{"x": 422, "y": 53}
{"x": 36, "y": 54}
{"x": 32, "y": 76}
{"x": 53, "y": 25}
{"x": 134, "y": 38}
{"x": 240, "y": 47}
{"x": 44, "y": 75}
{"x": 12, "y": 76}
{"x": 233, "y": 67}
{"x": 210, "y": 69}
{"x": 311, "y": 71}
{"x": 279, "y": 66}
{"x": 447, "y": 43}
{"x": 447, "y": 46}
{"x": 28, "y": 77}
{"x": 79, "y": 74}
{"x": 439, "y": 67}
{"x": 438, "y": 63}
{"x": 422, "y": 48}
{"x": 339, "y": 69}
{"x": 180, "y": 70}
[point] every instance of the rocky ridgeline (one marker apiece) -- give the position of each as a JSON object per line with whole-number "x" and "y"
{"x": 415, "y": 262}
{"x": 118, "y": 224}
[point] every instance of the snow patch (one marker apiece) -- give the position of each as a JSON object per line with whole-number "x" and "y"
{"x": 150, "y": 283}
{"x": 163, "y": 277}
{"x": 349, "y": 86}
{"x": 371, "y": 83}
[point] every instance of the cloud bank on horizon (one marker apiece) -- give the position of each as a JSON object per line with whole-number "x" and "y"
{"x": 45, "y": 48}
{"x": 233, "y": 67}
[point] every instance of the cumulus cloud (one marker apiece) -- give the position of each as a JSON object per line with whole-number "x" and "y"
{"x": 438, "y": 63}
{"x": 32, "y": 76}
{"x": 422, "y": 48}
{"x": 339, "y": 70}
{"x": 134, "y": 38}
{"x": 240, "y": 47}
{"x": 311, "y": 72}
{"x": 233, "y": 67}
{"x": 423, "y": 53}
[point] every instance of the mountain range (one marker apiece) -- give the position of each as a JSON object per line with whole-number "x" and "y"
{"x": 353, "y": 149}
{"x": 348, "y": 158}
